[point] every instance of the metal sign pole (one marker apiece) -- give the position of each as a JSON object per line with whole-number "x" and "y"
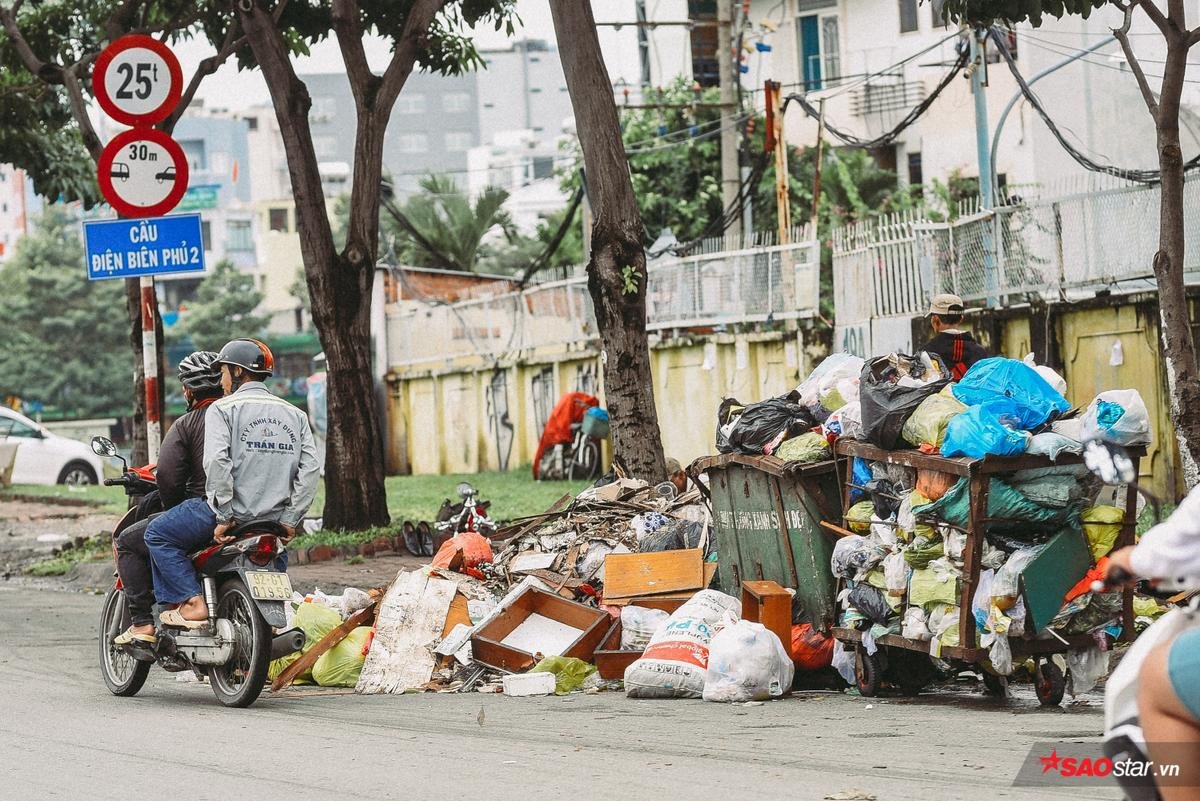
{"x": 150, "y": 367}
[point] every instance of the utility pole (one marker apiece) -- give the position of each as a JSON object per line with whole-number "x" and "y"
{"x": 816, "y": 208}
{"x": 728, "y": 75}
{"x": 987, "y": 196}
{"x": 774, "y": 140}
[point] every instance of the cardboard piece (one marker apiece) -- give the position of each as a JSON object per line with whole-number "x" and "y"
{"x": 537, "y": 623}
{"x": 630, "y": 574}
{"x": 410, "y": 618}
{"x": 529, "y": 561}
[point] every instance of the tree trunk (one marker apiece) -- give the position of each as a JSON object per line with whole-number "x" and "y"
{"x": 1179, "y": 349}
{"x": 338, "y": 285}
{"x": 617, "y": 269}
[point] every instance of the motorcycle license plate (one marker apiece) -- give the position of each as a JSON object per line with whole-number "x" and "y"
{"x": 269, "y": 586}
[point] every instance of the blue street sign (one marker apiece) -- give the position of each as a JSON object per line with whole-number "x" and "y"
{"x": 149, "y": 246}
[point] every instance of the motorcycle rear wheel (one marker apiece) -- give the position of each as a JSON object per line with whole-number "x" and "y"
{"x": 239, "y": 682}
{"x": 123, "y": 674}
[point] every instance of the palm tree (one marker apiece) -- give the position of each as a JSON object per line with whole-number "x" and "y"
{"x": 440, "y": 227}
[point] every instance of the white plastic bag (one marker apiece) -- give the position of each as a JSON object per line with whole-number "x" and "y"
{"x": 747, "y": 662}
{"x": 883, "y": 531}
{"x": 1131, "y": 427}
{"x": 675, "y": 661}
{"x": 1085, "y": 667}
{"x": 999, "y": 653}
{"x": 1052, "y": 378}
{"x": 915, "y": 625}
{"x": 824, "y": 378}
{"x": 639, "y": 625}
{"x": 896, "y": 573}
{"x": 1006, "y": 585}
{"x": 843, "y": 662}
{"x": 955, "y": 541}
{"x": 1052, "y": 445}
{"x": 848, "y": 420}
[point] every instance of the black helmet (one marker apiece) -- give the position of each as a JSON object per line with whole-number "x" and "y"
{"x": 249, "y": 354}
{"x": 200, "y": 373}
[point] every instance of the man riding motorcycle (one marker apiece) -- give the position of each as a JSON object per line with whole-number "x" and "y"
{"x": 261, "y": 464}
{"x": 180, "y": 475}
{"x": 1168, "y": 696}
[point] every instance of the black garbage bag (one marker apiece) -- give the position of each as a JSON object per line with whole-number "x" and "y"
{"x": 871, "y": 601}
{"x": 761, "y": 423}
{"x": 886, "y": 405}
{"x": 729, "y": 410}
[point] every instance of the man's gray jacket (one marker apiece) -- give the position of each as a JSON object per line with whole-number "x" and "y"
{"x": 259, "y": 457}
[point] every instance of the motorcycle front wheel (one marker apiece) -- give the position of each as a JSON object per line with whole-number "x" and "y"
{"x": 123, "y": 674}
{"x": 239, "y": 681}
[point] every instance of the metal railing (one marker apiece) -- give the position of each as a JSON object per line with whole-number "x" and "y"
{"x": 712, "y": 288}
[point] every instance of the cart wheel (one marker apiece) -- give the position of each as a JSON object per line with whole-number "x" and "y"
{"x": 1049, "y": 684}
{"x": 994, "y": 685}
{"x": 868, "y": 672}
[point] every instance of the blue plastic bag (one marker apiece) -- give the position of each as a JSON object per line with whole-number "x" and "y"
{"x": 999, "y": 378}
{"x": 979, "y": 431}
{"x": 860, "y": 475}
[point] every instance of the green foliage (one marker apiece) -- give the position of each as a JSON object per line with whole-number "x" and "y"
{"x": 109, "y": 500}
{"x": 65, "y": 338}
{"x": 39, "y": 136}
{"x": 447, "y": 228}
{"x": 631, "y": 278}
{"x": 982, "y": 13}
{"x": 223, "y": 309}
{"x": 96, "y": 549}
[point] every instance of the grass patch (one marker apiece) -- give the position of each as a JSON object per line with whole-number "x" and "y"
{"x": 96, "y": 549}
{"x": 1146, "y": 520}
{"x": 105, "y": 499}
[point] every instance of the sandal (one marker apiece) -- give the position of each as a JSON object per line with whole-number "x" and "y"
{"x": 129, "y": 637}
{"x": 171, "y": 617}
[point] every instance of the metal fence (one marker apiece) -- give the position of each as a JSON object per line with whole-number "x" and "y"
{"x": 715, "y": 287}
{"x": 1053, "y": 247}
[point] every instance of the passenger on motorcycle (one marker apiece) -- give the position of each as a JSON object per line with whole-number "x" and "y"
{"x": 261, "y": 464}
{"x": 180, "y": 475}
{"x": 1169, "y": 682}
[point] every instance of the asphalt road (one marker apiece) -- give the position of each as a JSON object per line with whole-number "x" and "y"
{"x": 62, "y": 735}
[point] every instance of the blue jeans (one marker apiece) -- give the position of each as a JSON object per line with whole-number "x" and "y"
{"x": 170, "y": 537}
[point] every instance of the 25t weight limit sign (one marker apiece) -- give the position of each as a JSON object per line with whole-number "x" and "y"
{"x": 137, "y": 80}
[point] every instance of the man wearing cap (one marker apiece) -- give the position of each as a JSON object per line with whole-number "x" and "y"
{"x": 957, "y": 349}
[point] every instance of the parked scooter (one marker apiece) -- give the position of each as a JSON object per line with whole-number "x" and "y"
{"x": 1124, "y": 740}
{"x": 245, "y": 594}
{"x": 469, "y": 514}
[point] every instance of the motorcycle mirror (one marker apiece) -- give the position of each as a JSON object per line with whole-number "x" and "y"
{"x": 464, "y": 489}
{"x": 1109, "y": 462}
{"x": 103, "y": 446}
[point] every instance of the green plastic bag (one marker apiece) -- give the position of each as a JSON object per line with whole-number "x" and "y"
{"x": 568, "y": 671}
{"x": 1102, "y": 526}
{"x": 927, "y": 423}
{"x": 806, "y": 448}
{"x": 341, "y": 664}
{"x": 1008, "y": 509}
{"x": 315, "y": 621}
{"x": 925, "y": 589}
{"x": 918, "y": 558}
{"x": 859, "y": 516}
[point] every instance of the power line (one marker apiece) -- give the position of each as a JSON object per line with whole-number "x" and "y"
{"x": 1053, "y": 47}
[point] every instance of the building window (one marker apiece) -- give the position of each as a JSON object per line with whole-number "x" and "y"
{"x": 456, "y": 102}
{"x": 543, "y": 167}
{"x": 908, "y": 16}
{"x": 193, "y": 151}
{"x": 936, "y": 10}
{"x": 252, "y": 123}
{"x": 915, "y": 177}
{"x": 410, "y": 104}
{"x": 278, "y": 219}
{"x": 240, "y": 236}
{"x": 323, "y": 109}
{"x": 413, "y": 143}
{"x": 458, "y": 141}
{"x": 489, "y": 105}
{"x": 206, "y": 235}
{"x": 820, "y": 50}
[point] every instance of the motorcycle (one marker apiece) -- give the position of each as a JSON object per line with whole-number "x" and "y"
{"x": 469, "y": 514}
{"x": 1124, "y": 739}
{"x": 245, "y": 594}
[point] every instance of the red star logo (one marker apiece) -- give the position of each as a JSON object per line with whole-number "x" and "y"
{"x": 1050, "y": 763}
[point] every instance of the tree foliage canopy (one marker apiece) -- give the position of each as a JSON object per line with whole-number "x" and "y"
{"x": 986, "y": 12}
{"x": 223, "y": 309}
{"x": 65, "y": 338}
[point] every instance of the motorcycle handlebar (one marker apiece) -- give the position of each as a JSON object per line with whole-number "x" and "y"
{"x": 113, "y": 482}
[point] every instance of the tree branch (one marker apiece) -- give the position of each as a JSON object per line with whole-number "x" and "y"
{"x": 70, "y": 79}
{"x": 1152, "y": 11}
{"x": 1193, "y": 37}
{"x": 48, "y": 72}
{"x": 1122, "y": 35}
{"x": 350, "y": 41}
{"x": 408, "y": 47}
{"x": 207, "y": 67}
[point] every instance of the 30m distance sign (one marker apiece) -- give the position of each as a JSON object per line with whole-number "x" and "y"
{"x": 143, "y": 247}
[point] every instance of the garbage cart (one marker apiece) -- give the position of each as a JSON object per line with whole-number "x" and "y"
{"x": 767, "y": 517}
{"x": 1044, "y": 583}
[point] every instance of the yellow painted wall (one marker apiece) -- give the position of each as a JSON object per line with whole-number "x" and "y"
{"x": 440, "y": 422}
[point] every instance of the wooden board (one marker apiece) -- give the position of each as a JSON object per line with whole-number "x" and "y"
{"x": 630, "y": 574}
{"x": 309, "y": 658}
{"x": 675, "y": 599}
{"x": 411, "y": 616}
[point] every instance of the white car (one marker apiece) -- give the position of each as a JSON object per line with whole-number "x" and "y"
{"x": 44, "y": 457}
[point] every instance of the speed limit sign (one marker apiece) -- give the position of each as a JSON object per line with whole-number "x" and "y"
{"x": 137, "y": 80}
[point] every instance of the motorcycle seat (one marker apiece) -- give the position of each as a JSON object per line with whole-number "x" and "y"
{"x": 258, "y": 527}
